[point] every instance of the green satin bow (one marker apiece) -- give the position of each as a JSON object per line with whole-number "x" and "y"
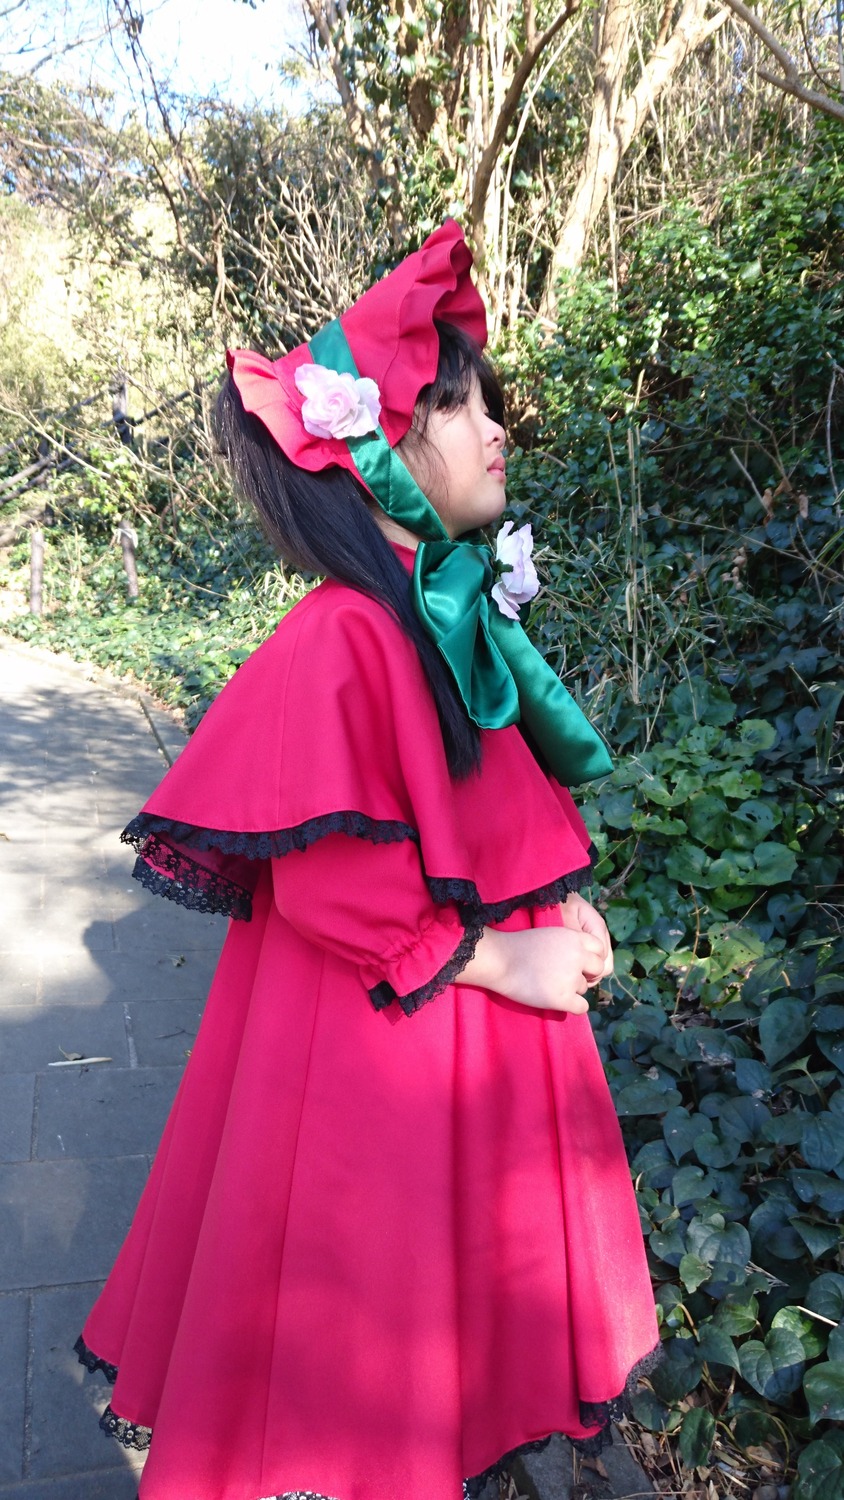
{"x": 499, "y": 674}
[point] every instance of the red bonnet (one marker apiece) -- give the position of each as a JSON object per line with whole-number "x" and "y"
{"x": 391, "y": 333}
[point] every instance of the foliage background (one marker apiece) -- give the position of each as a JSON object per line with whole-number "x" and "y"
{"x": 677, "y": 447}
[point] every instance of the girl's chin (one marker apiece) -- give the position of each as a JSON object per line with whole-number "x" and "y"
{"x": 497, "y": 509}
{"x": 483, "y": 516}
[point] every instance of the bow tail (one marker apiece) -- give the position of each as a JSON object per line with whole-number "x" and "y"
{"x": 573, "y": 750}
{"x": 500, "y": 675}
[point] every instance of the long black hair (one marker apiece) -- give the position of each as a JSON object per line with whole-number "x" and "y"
{"x": 323, "y": 523}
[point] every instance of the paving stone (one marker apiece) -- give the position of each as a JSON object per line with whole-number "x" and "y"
{"x": 81, "y": 1110}
{"x": 163, "y": 1030}
{"x": 21, "y": 899}
{"x": 71, "y": 778}
{"x": 16, "y": 1104}
{"x": 552, "y": 1473}
{"x": 86, "y": 879}
{"x": 67, "y": 1400}
{"x": 71, "y": 818}
{"x": 547, "y": 1474}
{"x": 19, "y": 978}
{"x": 176, "y": 973}
{"x": 18, "y": 822}
{"x": 64, "y": 1221}
{"x": 77, "y": 862}
{"x": 66, "y": 922}
{"x": 30, "y": 1041}
{"x": 20, "y": 867}
{"x": 113, "y": 1484}
{"x": 122, "y": 796}
{"x": 23, "y": 783}
{"x": 127, "y": 896}
{"x": 165, "y": 923}
{"x": 14, "y": 1321}
{"x": 71, "y": 829}
{"x": 168, "y": 733}
{"x": 626, "y": 1477}
{"x": 17, "y": 854}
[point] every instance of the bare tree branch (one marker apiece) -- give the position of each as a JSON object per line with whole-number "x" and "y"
{"x": 506, "y": 114}
{"x": 613, "y": 128}
{"x": 789, "y": 81}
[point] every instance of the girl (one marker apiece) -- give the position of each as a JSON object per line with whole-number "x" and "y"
{"x": 390, "y": 1237}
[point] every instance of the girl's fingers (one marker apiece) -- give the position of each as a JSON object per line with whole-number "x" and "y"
{"x": 594, "y": 948}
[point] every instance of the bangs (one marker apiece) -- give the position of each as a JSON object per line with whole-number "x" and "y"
{"x": 461, "y": 360}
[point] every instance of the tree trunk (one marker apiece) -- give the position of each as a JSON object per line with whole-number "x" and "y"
{"x": 120, "y": 407}
{"x": 128, "y": 539}
{"x": 36, "y": 569}
{"x": 615, "y": 125}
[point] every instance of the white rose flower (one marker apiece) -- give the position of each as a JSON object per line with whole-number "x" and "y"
{"x": 519, "y": 582}
{"x": 337, "y": 405}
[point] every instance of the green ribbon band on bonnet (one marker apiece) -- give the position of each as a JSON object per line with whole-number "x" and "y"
{"x": 501, "y": 677}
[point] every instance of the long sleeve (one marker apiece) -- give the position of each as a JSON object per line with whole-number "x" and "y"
{"x": 369, "y": 905}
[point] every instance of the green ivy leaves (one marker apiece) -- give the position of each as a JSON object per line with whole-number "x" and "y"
{"x": 723, "y": 1040}
{"x": 820, "y": 1469}
{"x": 783, "y": 1025}
{"x": 773, "y": 1366}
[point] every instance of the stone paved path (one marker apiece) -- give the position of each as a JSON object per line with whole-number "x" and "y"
{"x": 89, "y": 963}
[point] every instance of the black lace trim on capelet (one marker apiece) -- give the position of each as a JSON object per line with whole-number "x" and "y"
{"x": 592, "y": 1413}
{"x": 190, "y": 883}
{"x": 169, "y": 871}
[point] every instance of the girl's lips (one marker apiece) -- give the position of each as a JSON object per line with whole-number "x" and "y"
{"x": 497, "y": 467}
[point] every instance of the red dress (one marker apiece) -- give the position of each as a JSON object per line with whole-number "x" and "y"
{"x": 390, "y": 1234}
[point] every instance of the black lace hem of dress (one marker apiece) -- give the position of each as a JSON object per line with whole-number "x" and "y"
{"x": 383, "y": 994}
{"x": 130, "y": 1434}
{"x": 592, "y": 1413}
{"x": 92, "y": 1361}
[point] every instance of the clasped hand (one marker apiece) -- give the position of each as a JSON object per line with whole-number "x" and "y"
{"x": 550, "y": 968}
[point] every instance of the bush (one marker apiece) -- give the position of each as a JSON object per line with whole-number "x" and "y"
{"x": 205, "y": 602}
{"x": 673, "y": 457}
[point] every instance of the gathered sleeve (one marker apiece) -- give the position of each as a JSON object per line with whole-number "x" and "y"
{"x": 369, "y": 905}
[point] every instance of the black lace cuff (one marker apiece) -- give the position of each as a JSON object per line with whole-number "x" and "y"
{"x": 604, "y": 1412}
{"x": 383, "y": 994}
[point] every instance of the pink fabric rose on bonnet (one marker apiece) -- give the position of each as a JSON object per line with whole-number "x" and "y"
{"x": 337, "y": 405}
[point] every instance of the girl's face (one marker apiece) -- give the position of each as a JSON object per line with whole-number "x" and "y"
{"x": 461, "y": 465}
